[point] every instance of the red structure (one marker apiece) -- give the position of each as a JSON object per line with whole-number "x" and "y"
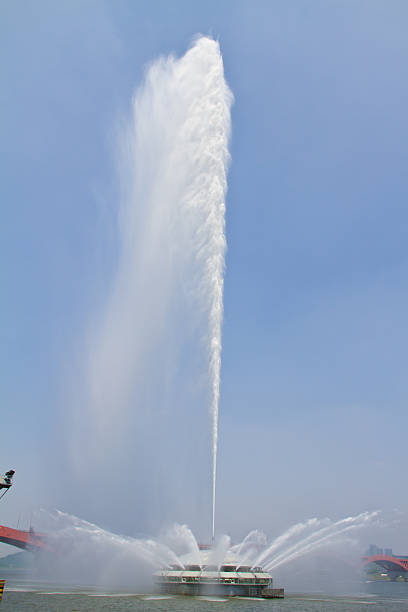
{"x": 27, "y": 540}
{"x": 388, "y": 562}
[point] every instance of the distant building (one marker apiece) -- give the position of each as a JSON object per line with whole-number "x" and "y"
{"x": 373, "y": 550}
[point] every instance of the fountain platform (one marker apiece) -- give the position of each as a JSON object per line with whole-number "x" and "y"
{"x": 231, "y": 579}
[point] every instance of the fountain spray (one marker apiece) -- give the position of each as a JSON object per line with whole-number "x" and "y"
{"x": 174, "y": 161}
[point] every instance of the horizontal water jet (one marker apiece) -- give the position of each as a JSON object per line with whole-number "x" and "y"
{"x": 175, "y": 560}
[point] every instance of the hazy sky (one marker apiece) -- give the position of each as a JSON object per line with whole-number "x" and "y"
{"x": 313, "y": 416}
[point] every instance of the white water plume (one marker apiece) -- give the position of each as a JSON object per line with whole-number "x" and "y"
{"x": 85, "y": 552}
{"x": 322, "y": 536}
{"x": 288, "y": 535}
{"x": 249, "y": 547}
{"x": 167, "y": 293}
{"x": 181, "y": 540}
{"x": 219, "y": 551}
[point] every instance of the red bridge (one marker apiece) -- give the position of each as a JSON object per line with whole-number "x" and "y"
{"x": 388, "y": 562}
{"x": 29, "y": 540}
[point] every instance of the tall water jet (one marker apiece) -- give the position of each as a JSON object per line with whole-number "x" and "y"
{"x": 167, "y": 289}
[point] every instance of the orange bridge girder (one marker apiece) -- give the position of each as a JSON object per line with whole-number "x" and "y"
{"x": 388, "y": 562}
{"x": 27, "y": 540}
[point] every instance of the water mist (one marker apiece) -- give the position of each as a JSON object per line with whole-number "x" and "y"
{"x": 92, "y": 555}
{"x": 154, "y": 350}
{"x": 167, "y": 292}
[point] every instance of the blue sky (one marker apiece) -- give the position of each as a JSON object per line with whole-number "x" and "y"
{"x": 315, "y": 336}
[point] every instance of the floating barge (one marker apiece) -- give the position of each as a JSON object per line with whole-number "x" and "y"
{"x": 228, "y": 580}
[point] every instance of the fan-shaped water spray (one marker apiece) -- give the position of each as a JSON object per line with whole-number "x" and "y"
{"x": 292, "y": 544}
{"x": 93, "y": 553}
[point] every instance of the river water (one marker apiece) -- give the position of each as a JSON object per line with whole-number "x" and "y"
{"x": 23, "y": 596}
